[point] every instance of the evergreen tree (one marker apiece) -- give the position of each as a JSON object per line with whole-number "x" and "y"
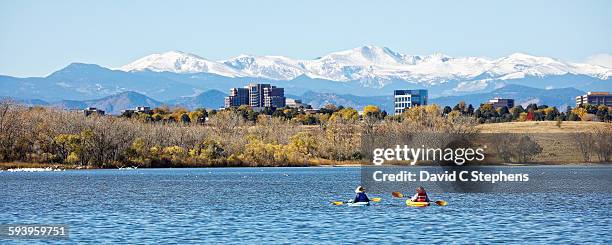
{"x": 532, "y": 107}
{"x": 470, "y": 109}
{"x": 447, "y": 110}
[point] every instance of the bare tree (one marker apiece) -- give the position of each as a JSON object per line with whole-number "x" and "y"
{"x": 585, "y": 142}
{"x": 603, "y": 142}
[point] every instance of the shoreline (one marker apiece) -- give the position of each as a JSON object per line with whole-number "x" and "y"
{"x": 40, "y": 167}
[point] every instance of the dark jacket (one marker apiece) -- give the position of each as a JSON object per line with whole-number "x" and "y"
{"x": 361, "y": 197}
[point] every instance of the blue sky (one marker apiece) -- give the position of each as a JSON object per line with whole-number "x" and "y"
{"x": 39, "y": 37}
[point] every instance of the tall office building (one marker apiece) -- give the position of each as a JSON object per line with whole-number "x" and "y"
{"x": 409, "y": 98}
{"x": 274, "y": 97}
{"x": 256, "y": 95}
{"x": 237, "y": 97}
{"x": 256, "y": 98}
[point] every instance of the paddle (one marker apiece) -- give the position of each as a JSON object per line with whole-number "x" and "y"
{"x": 398, "y": 194}
{"x": 374, "y": 199}
{"x": 441, "y": 203}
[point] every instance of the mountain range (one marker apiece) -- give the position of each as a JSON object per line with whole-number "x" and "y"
{"x": 367, "y": 70}
{"x": 377, "y": 68}
{"x": 350, "y": 76}
{"x": 372, "y": 66}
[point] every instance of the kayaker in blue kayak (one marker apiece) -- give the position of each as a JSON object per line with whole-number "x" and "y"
{"x": 420, "y": 196}
{"x": 361, "y": 195}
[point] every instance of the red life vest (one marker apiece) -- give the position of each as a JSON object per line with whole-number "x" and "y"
{"x": 421, "y": 197}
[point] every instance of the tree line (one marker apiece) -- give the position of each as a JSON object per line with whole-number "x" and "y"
{"x": 233, "y": 137}
{"x": 485, "y": 113}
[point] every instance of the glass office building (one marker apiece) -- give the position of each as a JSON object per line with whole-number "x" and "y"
{"x": 409, "y": 98}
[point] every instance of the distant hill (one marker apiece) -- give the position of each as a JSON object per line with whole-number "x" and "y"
{"x": 79, "y": 81}
{"x": 522, "y": 95}
{"x": 26, "y": 102}
{"x": 209, "y": 99}
{"x": 69, "y": 104}
{"x": 113, "y": 104}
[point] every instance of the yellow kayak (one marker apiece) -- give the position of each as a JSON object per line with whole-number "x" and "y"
{"x": 416, "y": 204}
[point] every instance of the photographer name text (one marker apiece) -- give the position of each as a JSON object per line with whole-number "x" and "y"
{"x": 452, "y": 176}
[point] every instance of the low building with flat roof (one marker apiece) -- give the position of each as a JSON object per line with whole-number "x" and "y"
{"x": 293, "y": 103}
{"x": 143, "y": 109}
{"x": 311, "y": 111}
{"x": 500, "y": 102}
{"x": 92, "y": 110}
{"x": 594, "y": 98}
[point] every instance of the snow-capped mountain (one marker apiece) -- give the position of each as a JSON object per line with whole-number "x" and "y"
{"x": 273, "y": 67}
{"x": 363, "y": 71}
{"x": 180, "y": 62}
{"x": 375, "y": 67}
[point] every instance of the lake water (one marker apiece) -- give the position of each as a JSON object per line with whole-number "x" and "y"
{"x": 292, "y": 205}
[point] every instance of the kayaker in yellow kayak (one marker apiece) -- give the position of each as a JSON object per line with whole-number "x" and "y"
{"x": 361, "y": 195}
{"x": 420, "y": 196}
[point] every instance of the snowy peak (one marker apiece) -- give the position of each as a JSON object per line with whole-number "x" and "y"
{"x": 366, "y": 55}
{"x": 273, "y": 67}
{"x": 522, "y": 56}
{"x": 179, "y": 62}
{"x": 528, "y": 60}
{"x": 519, "y": 65}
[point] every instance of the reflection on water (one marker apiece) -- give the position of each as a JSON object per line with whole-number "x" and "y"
{"x": 281, "y": 205}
